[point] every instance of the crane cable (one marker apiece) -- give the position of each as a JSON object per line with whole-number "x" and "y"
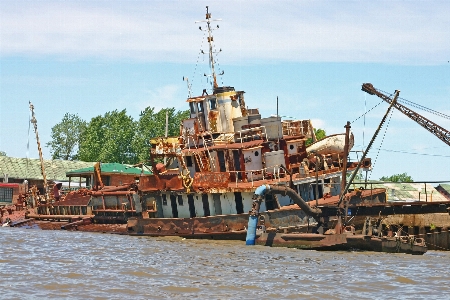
{"x": 382, "y": 140}
{"x": 410, "y": 103}
{"x": 364, "y": 114}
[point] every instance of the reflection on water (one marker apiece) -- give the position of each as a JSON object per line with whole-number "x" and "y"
{"x": 75, "y": 265}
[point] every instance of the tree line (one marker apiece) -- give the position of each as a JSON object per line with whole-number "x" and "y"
{"x": 112, "y": 137}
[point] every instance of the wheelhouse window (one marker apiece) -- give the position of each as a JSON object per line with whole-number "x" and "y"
{"x": 213, "y": 103}
{"x": 200, "y": 107}
{"x": 192, "y": 107}
{"x": 221, "y": 157}
{"x": 189, "y": 161}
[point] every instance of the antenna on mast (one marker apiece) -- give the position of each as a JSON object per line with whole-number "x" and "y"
{"x": 210, "y": 41}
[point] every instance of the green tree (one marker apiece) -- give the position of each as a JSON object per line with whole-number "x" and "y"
{"x": 109, "y": 138}
{"x": 153, "y": 124}
{"x": 397, "y": 178}
{"x": 2, "y": 153}
{"x": 320, "y": 134}
{"x": 66, "y": 137}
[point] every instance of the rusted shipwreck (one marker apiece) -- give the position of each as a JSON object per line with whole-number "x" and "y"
{"x": 205, "y": 182}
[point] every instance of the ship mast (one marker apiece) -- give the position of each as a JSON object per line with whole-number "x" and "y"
{"x": 210, "y": 44}
{"x": 210, "y": 40}
{"x": 34, "y": 121}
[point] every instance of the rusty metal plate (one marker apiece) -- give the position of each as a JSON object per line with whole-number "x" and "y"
{"x": 169, "y": 182}
{"x": 188, "y": 226}
{"x": 211, "y": 180}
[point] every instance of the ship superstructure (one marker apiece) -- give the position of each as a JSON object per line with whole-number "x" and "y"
{"x": 225, "y": 150}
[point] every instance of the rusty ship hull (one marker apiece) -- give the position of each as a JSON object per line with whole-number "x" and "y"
{"x": 203, "y": 181}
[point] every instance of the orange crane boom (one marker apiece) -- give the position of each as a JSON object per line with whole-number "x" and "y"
{"x": 442, "y": 133}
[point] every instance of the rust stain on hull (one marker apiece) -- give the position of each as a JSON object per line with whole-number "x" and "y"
{"x": 207, "y": 180}
{"x": 161, "y": 182}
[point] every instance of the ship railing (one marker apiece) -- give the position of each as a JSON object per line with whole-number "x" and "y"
{"x": 252, "y": 134}
{"x": 274, "y": 172}
{"x": 296, "y": 127}
{"x": 207, "y": 142}
{"x": 187, "y": 142}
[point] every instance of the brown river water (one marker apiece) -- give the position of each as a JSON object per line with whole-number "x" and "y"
{"x": 39, "y": 264}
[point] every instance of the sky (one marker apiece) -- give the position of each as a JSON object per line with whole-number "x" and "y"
{"x": 91, "y": 57}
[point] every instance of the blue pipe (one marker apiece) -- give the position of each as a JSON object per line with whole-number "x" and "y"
{"x": 253, "y": 218}
{"x": 261, "y": 190}
{"x": 251, "y": 230}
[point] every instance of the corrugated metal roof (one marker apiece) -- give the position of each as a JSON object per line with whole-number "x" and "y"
{"x": 30, "y": 168}
{"x": 403, "y": 191}
{"x": 110, "y": 168}
{"x": 445, "y": 187}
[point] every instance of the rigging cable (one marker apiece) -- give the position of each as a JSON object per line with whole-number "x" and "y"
{"x": 405, "y": 152}
{"x": 364, "y": 114}
{"x": 217, "y": 62}
{"x": 198, "y": 57}
{"x": 382, "y": 140}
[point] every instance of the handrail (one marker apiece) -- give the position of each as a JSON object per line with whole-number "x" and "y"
{"x": 262, "y": 128}
{"x": 276, "y": 172}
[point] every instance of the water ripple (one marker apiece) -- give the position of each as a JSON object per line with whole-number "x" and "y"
{"x": 74, "y": 265}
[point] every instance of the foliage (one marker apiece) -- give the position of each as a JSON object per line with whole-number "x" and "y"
{"x": 320, "y": 134}
{"x": 153, "y": 124}
{"x": 2, "y": 153}
{"x": 66, "y": 137}
{"x": 397, "y": 178}
{"x": 113, "y": 137}
{"x": 109, "y": 139}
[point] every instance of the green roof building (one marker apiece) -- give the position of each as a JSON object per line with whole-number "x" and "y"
{"x": 111, "y": 174}
{"x": 26, "y": 172}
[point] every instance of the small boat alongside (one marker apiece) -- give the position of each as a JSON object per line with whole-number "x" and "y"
{"x": 332, "y": 144}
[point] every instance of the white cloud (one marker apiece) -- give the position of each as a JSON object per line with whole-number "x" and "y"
{"x": 163, "y": 97}
{"x": 405, "y": 32}
{"x": 318, "y": 123}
